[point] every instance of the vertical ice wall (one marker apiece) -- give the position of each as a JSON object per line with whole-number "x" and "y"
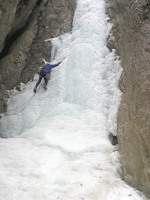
{"x": 88, "y": 75}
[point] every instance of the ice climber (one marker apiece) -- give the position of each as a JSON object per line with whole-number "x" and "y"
{"x": 45, "y": 73}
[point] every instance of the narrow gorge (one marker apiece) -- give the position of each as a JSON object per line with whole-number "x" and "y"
{"x": 25, "y": 25}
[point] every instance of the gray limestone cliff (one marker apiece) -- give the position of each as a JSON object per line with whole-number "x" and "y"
{"x": 130, "y": 36}
{"x": 25, "y": 24}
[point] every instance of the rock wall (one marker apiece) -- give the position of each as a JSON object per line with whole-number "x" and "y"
{"x": 25, "y": 24}
{"x": 130, "y": 36}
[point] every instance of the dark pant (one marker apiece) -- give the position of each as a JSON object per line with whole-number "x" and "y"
{"x": 42, "y": 75}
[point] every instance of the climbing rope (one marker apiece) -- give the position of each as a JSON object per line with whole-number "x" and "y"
{"x": 20, "y": 108}
{"x": 24, "y": 105}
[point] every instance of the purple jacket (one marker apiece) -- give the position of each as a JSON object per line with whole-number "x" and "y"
{"x": 47, "y": 68}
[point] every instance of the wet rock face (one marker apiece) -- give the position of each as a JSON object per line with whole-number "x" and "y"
{"x": 25, "y": 24}
{"x": 130, "y": 35}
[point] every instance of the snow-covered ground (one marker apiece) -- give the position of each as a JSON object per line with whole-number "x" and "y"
{"x": 57, "y": 146}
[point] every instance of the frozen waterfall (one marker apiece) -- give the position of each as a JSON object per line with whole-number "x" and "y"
{"x": 57, "y": 145}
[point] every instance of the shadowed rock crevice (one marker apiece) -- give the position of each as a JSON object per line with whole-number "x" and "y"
{"x": 11, "y": 38}
{"x": 113, "y": 139}
{"x": 146, "y": 11}
{"x": 9, "y": 41}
